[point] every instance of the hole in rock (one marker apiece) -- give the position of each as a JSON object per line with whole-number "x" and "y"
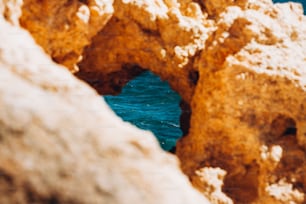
{"x": 84, "y": 1}
{"x": 290, "y": 131}
{"x": 150, "y": 104}
{"x": 282, "y": 126}
{"x": 292, "y": 162}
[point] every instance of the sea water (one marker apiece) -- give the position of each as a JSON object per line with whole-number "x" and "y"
{"x": 150, "y": 104}
{"x": 303, "y": 2}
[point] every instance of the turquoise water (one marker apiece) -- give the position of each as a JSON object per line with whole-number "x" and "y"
{"x": 303, "y": 2}
{"x": 150, "y": 104}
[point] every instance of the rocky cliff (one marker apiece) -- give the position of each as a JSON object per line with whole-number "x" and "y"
{"x": 240, "y": 67}
{"x": 60, "y": 143}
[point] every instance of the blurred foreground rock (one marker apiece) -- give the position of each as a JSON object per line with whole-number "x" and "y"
{"x": 240, "y": 67}
{"x": 60, "y": 143}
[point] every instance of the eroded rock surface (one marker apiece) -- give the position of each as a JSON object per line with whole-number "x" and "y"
{"x": 64, "y": 27}
{"x": 60, "y": 143}
{"x": 11, "y": 10}
{"x": 247, "y": 90}
{"x": 154, "y": 35}
{"x": 248, "y": 110}
{"x": 238, "y": 65}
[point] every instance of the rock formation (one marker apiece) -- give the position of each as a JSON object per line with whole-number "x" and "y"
{"x": 238, "y": 65}
{"x": 153, "y": 35}
{"x": 60, "y": 143}
{"x": 248, "y": 109}
{"x": 63, "y": 28}
{"x": 241, "y": 67}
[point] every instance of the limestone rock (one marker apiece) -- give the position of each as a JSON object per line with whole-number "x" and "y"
{"x": 210, "y": 181}
{"x": 64, "y": 27}
{"x": 11, "y": 10}
{"x": 60, "y": 143}
{"x": 242, "y": 69}
{"x": 238, "y": 65}
{"x": 251, "y": 95}
{"x": 155, "y": 35}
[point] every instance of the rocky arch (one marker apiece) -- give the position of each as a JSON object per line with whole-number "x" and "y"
{"x": 238, "y": 64}
{"x": 233, "y": 98}
{"x": 125, "y": 47}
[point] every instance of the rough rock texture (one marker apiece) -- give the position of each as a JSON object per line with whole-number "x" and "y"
{"x": 64, "y": 27}
{"x": 154, "y": 35}
{"x": 60, "y": 143}
{"x": 11, "y": 10}
{"x": 249, "y": 106}
{"x": 238, "y": 65}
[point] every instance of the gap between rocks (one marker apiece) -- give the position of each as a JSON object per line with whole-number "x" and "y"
{"x": 149, "y": 103}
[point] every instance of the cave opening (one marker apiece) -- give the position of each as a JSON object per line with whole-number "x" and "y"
{"x": 150, "y": 104}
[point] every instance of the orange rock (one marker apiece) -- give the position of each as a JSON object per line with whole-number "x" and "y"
{"x": 238, "y": 65}
{"x": 63, "y": 28}
{"x": 251, "y": 93}
{"x": 61, "y": 143}
{"x": 152, "y": 35}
